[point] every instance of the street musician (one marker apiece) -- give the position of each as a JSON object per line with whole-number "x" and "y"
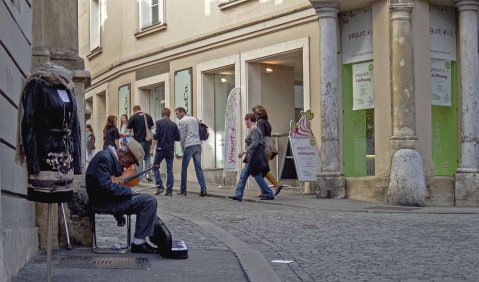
{"x": 113, "y": 197}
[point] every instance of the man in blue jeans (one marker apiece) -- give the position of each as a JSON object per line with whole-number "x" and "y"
{"x": 191, "y": 146}
{"x": 166, "y": 134}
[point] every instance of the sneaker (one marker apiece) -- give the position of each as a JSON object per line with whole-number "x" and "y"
{"x": 182, "y": 193}
{"x": 169, "y": 194}
{"x": 159, "y": 190}
{"x": 203, "y": 194}
{"x": 266, "y": 198}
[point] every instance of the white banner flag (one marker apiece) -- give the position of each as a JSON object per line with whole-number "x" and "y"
{"x": 232, "y": 123}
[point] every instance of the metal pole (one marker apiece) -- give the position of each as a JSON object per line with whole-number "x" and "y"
{"x": 49, "y": 243}
{"x": 66, "y": 228}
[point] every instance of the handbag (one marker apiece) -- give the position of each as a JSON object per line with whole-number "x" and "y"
{"x": 270, "y": 148}
{"x": 149, "y": 134}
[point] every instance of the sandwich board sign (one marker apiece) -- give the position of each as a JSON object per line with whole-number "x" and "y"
{"x": 301, "y": 159}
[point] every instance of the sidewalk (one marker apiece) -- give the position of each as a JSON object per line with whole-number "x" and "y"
{"x": 291, "y": 196}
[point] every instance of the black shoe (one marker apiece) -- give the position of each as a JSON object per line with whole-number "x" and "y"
{"x": 142, "y": 248}
{"x": 266, "y": 198}
{"x": 202, "y": 194}
{"x": 182, "y": 193}
{"x": 278, "y": 189}
{"x": 235, "y": 198}
{"x": 159, "y": 190}
{"x": 148, "y": 177}
{"x": 169, "y": 194}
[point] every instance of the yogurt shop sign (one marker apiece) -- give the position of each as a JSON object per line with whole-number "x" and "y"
{"x": 356, "y": 35}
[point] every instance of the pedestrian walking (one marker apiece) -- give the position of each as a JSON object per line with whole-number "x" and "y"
{"x": 111, "y": 136}
{"x": 255, "y": 161}
{"x": 138, "y": 124}
{"x": 263, "y": 124}
{"x": 191, "y": 146}
{"x": 90, "y": 142}
{"x": 166, "y": 134}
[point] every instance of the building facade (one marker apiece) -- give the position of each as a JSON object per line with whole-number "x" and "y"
{"x": 392, "y": 83}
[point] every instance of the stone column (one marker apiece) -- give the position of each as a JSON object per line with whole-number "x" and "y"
{"x": 467, "y": 175}
{"x": 330, "y": 182}
{"x": 407, "y": 184}
{"x": 55, "y": 39}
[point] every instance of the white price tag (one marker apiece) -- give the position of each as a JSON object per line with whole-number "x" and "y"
{"x": 63, "y": 95}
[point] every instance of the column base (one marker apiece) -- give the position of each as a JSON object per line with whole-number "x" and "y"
{"x": 407, "y": 184}
{"x": 466, "y": 189}
{"x": 331, "y": 185}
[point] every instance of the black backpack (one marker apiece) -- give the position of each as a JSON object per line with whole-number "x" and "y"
{"x": 203, "y": 131}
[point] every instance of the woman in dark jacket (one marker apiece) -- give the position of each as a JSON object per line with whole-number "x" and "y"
{"x": 111, "y": 136}
{"x": 263, "y": 124}
{"x": 256, "y": 163}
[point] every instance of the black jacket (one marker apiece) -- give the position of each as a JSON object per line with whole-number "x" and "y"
{"x": 104, "y": 195}
{"x": 49, "y": 125}
{"x": 167, "y": 133}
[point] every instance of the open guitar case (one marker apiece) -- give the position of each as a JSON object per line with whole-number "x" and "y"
{"x": 164, "y": 241}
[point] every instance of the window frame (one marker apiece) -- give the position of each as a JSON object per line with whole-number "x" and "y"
{"x": 143, "y": 25}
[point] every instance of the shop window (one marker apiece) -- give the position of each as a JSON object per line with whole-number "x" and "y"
{"x": 151, "y": 13}
{"x": 358, "y": 130}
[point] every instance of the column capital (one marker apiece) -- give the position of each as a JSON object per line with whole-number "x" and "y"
{"x": 467, "y": 5}
{"x": 325, "y": 9}
{"x": 401, "y": 9}
{"x": 401, "y": 5}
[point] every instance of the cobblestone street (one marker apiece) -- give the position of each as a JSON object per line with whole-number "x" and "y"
{"x": 335, "y": 245}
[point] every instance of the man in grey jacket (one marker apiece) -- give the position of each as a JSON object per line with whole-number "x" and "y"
{"x": 191, "y": 146}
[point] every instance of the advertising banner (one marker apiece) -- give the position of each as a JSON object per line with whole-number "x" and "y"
{"x": 442, "y": 32}
{"x": 363, "y": 86}
{"x": 357, "y": 35}
{"x": 441, "y": 82}
{"x": 232, "y": 123}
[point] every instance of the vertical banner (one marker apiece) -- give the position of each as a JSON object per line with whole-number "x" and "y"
{"x": 441, "y": 82}
{"x": 124, "y": 100}
{"x": 232, "y": 123}
{"x": 363, "y": 86}
{"x": 183, "y": 97}
{"x": 356, "y": 35}
{"x": 442, "y": 32}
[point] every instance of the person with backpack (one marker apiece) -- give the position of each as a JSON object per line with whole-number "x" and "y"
{"x": 140, "y": 123}
{"x": 191, "y": 145}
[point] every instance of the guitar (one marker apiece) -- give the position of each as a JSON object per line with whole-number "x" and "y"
{"x": 130, "y": 177}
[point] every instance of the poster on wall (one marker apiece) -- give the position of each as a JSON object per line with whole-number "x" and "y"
{"x": 183, "y": 97}
{"x": 442, "y": 32}
{"x": 356, "y": 35}
{"x": 441, "y": 82}
{"x": 363, "y": 86}
{"x": 124, "y": 100}
{"x": 232, "y": 129}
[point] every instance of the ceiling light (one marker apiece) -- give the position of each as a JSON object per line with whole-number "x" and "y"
{"x": 268, "y": 70}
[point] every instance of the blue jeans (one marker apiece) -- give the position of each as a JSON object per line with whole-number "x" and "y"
{"x": 168, "y": 157}
{"x": 147, "y": 161}
{"x": 245, "y": 173}
{"x": 195, "y": 153}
